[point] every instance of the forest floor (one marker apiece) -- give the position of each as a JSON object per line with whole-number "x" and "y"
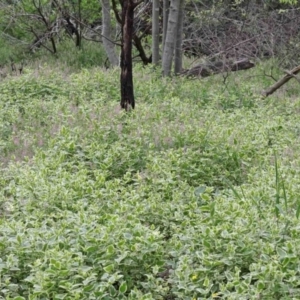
{"x": 193, "y": 195}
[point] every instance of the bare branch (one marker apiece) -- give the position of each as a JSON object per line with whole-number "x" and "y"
{"x": 290, "y": 74}
{"x": 293, "y": 75}
{"x": 40, "y": 42}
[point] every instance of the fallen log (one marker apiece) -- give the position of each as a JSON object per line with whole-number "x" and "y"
{"x": 289, "y": 75}
{"x": 205, "y": 70}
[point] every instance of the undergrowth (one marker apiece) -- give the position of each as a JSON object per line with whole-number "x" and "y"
{"x": 194, "y": 195}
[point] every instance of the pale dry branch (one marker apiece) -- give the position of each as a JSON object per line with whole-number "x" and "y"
{"x": 290, "y": 74}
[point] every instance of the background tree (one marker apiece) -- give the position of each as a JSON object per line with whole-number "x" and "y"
{"x": 170, "y": 37}
{"x": 178, "y": 44}
{"x": 166, "y": 5}
{"x": 213, "y": 31}
{"x": 108, "y": 44}
{"x": 155, "y": 31}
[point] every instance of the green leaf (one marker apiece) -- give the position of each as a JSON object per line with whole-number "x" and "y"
{"x": 260, "y": 285}
{"x": 88, "y": 288}
{"x": 298, "y": 209}
{"x": 54, "y": 264}
{"x": 109, "y": 268}
{"x": 282, "y": 253}
{"x": 112, "y": 291}
{"x": 60, "y": 296}
{"x": 123, "y": 288}
{"x": 128, "y": 236}
{"x": 92, "y": 249}
{"x": 110, "y": 249}
{"x": 205, "y": 208}
{"x": 200, "y": 190}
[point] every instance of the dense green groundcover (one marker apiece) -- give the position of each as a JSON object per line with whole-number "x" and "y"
{"x": 194, "y": 195}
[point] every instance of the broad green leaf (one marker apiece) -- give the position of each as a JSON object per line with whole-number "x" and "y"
{"x": 109, "y": 268}
{"x": 123, "y": 288}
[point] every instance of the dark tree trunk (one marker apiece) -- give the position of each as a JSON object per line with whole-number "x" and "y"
{"x": 72, "y": 29}
{"x": 127, "y": 95}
